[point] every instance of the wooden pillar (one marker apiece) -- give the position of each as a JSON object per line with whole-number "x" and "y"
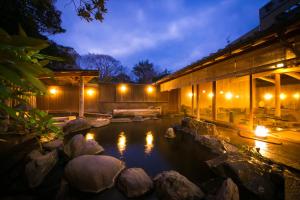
{"x": 252, "y": 86}
{"x": 277, "y": 95}
{"x": 193, "y": 96}
{"x": 197, "y": 102}
{"x": 214, "y": 100}
{"x": 81, "y": 97}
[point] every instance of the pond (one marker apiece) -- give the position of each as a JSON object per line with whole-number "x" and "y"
{"x": 142, "y": 144}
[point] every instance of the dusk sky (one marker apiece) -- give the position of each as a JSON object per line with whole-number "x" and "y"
{"x": 170, "y": 33}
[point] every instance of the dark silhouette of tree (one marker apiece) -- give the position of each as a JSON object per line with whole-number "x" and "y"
{"x": 121, "y": 78}
{"x": 108, "y": 67}
{"x": 40, "y": 17}
{"x": 144, "y": 71}
{"x": 162, "y": 74}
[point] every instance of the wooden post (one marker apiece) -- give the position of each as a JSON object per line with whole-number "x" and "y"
{"x": 252, "y": 100}
{"x": 197, "y": 102}
{"x": 214, "y": 100}
{"x": 81, "y": 97}
{"x": 277, "y": 96}
{"x": 193, "y": 95}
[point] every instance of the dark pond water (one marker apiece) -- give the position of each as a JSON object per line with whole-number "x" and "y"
{"x": 142, "y": 144}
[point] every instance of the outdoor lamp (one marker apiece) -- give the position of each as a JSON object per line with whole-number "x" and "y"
{"x": 90, "y": 92}
{"x": 53, "y": 91}
{"x": 123, "y": 88}
{"x": 150, "y": 89}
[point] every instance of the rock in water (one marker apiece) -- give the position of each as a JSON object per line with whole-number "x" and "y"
{"x": 228, "y": 191}
{"x": 211, "y": 142}
{"x": 93, "y": 173}
{"x": 170, "y": 185}
{"x": 170, "y": 133}
{"x": 134, "y": 182}
{"x": 39, "y": 166}
{"x": 78, "y": 146}
{"x": 76, "y": 125}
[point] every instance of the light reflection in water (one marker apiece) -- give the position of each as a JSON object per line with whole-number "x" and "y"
{"x": 149, "y": 142}
{"x": 90, "y": 136}
{"x": 122, "y": 142}
{"x": 261, "y": 145}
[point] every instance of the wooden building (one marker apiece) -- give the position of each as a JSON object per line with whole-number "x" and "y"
{"x": 254, "y": 80}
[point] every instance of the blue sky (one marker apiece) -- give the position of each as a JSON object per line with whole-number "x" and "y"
{"x": 170, "y": 33}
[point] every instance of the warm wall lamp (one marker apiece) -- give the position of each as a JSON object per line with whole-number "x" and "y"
{"x": 150, "y": 89}
{"x": 90, "y": 92}
{"x": 53, "y": 91}
{"x": 123, "y": 88}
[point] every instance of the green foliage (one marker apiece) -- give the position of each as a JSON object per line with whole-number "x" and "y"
{"x": 20, "y": 66}
{"x": 39, "y": 122}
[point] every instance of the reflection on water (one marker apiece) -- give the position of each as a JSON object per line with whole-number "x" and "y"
{"x": 122, "y": 142}
{"x": 90, "y": 136}
{"x": 261, "y": 145}
{"x": 149, "y": 142}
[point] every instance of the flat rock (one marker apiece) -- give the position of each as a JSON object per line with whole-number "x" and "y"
{"x": 228, "y": 191}
{"x": 78, "y": 146}
{"x": 93, "y": 173}
{"x": 134, "y": 182}
{"x": 39, "y": 166}
{"x": 76, "y": 125}
{"x": 99, "y": 122}
{"x": 170, "y": 185}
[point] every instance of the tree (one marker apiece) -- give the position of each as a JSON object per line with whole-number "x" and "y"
{"x": 144, "y": 71}
{"x": 40, "y": 17}
{"x": 162, "y": 74}
{"x": 108, "y": 66}
{"x": 21, "y": 64}
{"x": 68, "y": 54}
{"x": 121, "y": 78}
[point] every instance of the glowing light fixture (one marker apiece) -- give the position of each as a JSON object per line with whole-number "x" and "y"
{"x": 210, "y": 95}
{"x": 123, "y": 88}
{"x": 203, "y": 91}
{"x": 296, "y": 96}
{"x": 90, "y": 92}
{"x": 53, "y": 91}
{"x": 221, "y": 92}
{"x": 268, "y": 96}
{"x": 150, "y": 89}
{"x": 279, "y": 65}
{"x": 228, "y": 95}
{"x": 190, "y": 94}
{"x": 237, "y": 96}
{"x": 261, "y": 131}
{"x": 149, "y": 142}
{"x": 90, "y": 136}
{"x": 282, "y": 96}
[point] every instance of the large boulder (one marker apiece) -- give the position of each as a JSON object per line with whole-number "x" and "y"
{"x": 134, "y": 182}
{"x": 213, "y": 143}
{"x": 170, "y": 185}
{"x": 39, "y": 166}
{"x": 228, "y": 191}
{"x": 256, "y": 176}
{"x": 199, "y": 127}
{"x": 78, "y": 146}
{"x": 93, "y": 173}
{"x": 170, "y": 133}
{"x": 76, "y": 125}
{"x": 54, "y": 144}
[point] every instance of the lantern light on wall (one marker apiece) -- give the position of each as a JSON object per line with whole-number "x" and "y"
{"x": 268, "y": 96}
{"x": 190, "y": 94}
{"x": 221, "y": 92}
{"x": 53, "y": 91}
{"x": 228, "y": 95}
{"x": 123, "y": 88}
{"x": 150, "y": 89}
{"x": 203, "y": 91}
{"x": 90, "y": 92}
{"x": 282, "y": 96}
{"x": 296, "y": 96}
{"x": 210, "y": 95}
